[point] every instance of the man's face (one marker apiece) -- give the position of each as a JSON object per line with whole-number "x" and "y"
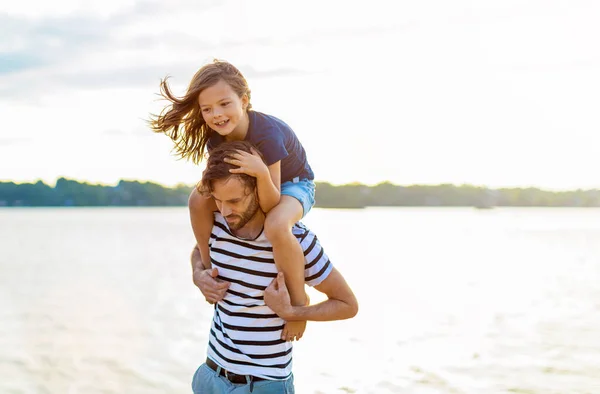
{"x": 237, "y": 204}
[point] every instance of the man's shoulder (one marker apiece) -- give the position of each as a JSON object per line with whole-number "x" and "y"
{"x": 317, "y": 263}
{"x": 300, "y": 228}
{"x": 304, "y": 235}
{"x": 220, "y": 225}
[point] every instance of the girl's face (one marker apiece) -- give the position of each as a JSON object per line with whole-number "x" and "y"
{"x": 224, "y": 111}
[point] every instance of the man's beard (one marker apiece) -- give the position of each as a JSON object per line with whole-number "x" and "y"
{"x": 245, "y": 217}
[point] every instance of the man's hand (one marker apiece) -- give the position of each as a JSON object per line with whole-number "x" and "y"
{"x": 212, "y": 288}
{"x": 277, "y": 297}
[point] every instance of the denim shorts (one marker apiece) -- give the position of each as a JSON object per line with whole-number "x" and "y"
{"x": 302, "y": 190}
{"x": 207, "y": 381}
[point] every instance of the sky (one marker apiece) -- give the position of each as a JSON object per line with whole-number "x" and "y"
{"x": 497, "y": 93}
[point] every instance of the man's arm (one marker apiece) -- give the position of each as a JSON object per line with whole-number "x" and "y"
{"x": 206, "y": 280}
{"x": 340, "y": 304}
{"x": 196, "y": 259}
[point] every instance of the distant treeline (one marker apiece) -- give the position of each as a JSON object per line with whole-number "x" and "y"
{"x": 132, "y": 193}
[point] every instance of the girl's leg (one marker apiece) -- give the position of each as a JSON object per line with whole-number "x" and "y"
{"x": 288, "y": 254}
{"x": 202, "y": 218}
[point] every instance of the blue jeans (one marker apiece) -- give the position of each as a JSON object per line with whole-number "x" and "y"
{"x": 302, "y": 190}
{"x": 207, "y": 381}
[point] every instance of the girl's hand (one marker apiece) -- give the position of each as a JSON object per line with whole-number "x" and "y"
{"x": 293, "y": 330}
{"x": 250, "y": 164}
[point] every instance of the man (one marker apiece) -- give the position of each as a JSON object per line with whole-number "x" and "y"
{"x": 245, "y": 351}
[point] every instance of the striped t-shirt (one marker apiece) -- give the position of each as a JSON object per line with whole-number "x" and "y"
{"x": 245, "y": 333}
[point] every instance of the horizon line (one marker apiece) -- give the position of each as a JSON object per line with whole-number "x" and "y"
{"x": 354, "y": 183}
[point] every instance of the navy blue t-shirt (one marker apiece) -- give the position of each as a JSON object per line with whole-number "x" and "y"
{"x": 276, "y": 141}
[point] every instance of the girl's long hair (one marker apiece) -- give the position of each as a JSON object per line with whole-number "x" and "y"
{"x": 182, "y": 120}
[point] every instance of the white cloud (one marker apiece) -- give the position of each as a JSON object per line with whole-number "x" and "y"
{"x": 37, "y": 9}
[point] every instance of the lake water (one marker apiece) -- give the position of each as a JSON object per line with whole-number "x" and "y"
{"x": 452, "y": 301}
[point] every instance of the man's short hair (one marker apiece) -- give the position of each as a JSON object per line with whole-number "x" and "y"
{"x": 217, "y": 168}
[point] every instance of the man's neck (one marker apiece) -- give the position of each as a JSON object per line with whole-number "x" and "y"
{"x": 253, "y": 228}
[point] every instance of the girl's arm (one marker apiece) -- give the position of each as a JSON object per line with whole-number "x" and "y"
{"x": 268, "y": 179}
{"x": 269, "y": 187}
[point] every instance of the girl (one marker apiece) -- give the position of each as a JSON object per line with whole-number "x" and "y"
{"x": 216, "y": 108}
